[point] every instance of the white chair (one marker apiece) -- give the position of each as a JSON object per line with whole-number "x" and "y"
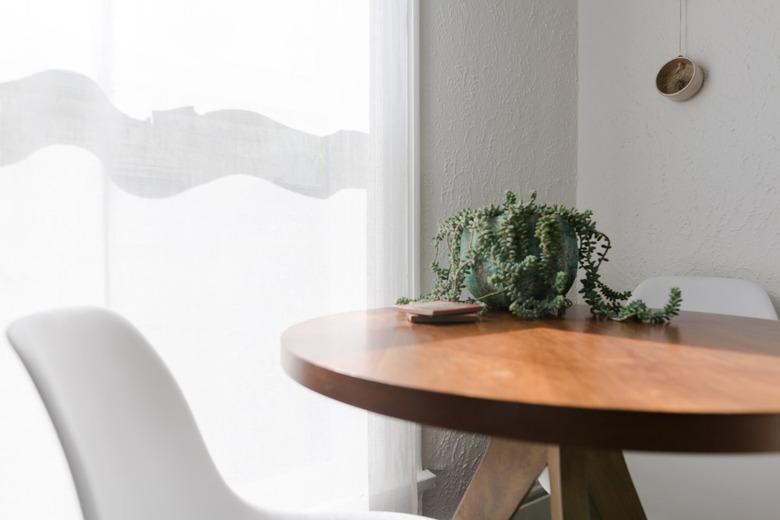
{"x": 709, "y": 294}
{"x": 722, "y": 487}
{"x": 130, "y": 439}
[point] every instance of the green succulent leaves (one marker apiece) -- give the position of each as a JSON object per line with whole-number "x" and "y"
{"x": 523, "y": 256}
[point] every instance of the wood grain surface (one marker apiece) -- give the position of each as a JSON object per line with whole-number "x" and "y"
{"x": 505, "y": 475}
{"x": 706, "y": 383}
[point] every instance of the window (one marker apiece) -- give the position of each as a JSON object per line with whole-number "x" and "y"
{"x": 214, "y": 170}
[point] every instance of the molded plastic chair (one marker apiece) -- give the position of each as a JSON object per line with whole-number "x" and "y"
{"x": 715, "y": 487}
{"x": 709, "y": 294}
{"x": 130, "y": 439}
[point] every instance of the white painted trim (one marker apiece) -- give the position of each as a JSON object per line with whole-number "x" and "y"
{"x": 413, "y": 136}
{"x": 426, "y": 479}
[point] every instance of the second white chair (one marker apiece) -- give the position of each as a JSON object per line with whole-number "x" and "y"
{"x": 697, "y": 487}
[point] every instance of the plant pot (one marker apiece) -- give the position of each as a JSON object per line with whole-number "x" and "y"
{"x": 478, "y": 282}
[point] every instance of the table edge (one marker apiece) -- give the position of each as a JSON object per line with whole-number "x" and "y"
{"x": 628, "y": 429}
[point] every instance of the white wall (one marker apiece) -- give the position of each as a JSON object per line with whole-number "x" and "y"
{"x": 498, "y": 87}
{"x": 688, "y": 188}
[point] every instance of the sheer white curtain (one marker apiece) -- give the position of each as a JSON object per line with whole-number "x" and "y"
{"x": 215, "y": 170}
{"x": 394, "y": 457}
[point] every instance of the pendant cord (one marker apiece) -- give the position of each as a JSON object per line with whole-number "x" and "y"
{"x": 680, "y": 41}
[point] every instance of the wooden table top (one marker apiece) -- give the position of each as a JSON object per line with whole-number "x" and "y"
{"x": 706, "y": 382}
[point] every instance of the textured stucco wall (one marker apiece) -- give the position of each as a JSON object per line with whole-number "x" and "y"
{"x": 498, "y": 112}
{"x": 682, "y": 188}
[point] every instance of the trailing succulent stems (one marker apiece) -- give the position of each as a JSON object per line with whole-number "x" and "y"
{"x": 520, "y": 248}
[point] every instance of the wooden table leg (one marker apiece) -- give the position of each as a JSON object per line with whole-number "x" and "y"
{"x": 611, "y": 488}
{"x": 568, "y": 486}
{"x": 591, "y": 485}
{"x": 507, "y": 472}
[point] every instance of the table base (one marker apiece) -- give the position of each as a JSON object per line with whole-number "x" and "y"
{"x": 585, "y": 484}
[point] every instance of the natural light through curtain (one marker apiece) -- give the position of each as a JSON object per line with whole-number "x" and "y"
{"x": 205, "y": 168}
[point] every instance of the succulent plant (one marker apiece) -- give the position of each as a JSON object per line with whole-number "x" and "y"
{"x": 523, "y": 256}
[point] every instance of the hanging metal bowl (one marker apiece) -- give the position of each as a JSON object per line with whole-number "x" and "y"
{"x": 679, "y": 79}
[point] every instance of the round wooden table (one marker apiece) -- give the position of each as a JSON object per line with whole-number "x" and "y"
{"x": 572, "y": 393}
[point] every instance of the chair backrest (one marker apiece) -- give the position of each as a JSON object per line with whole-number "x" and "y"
{"x": 132, "y": 444}
{"x": 709, "y": 294}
